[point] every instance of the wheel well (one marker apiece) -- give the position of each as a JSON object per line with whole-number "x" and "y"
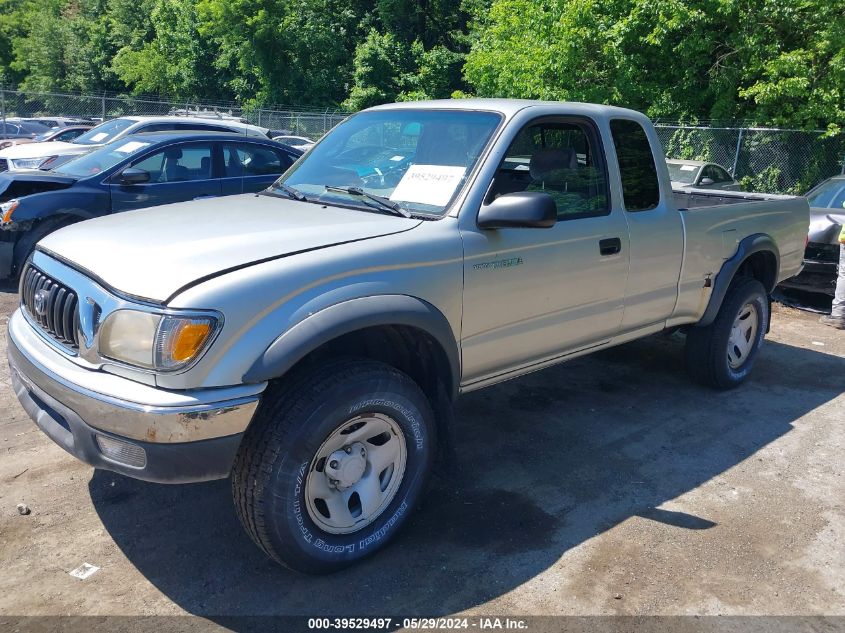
{"x": 763, "y": 267}
{"x": 408, "y": 349}
{"x": 40, "y": 228}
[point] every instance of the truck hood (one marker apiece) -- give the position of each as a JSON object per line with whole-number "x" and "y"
{"x": 153, "y": 253}
{"x": 48, "y": 148}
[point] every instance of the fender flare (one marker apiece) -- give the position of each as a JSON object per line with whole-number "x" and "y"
{"x": 352, "y": 315}
{"x": 757, "y": 243}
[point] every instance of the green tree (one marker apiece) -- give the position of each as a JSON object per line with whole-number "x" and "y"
{"x": 773, "y": 61}
{"x": 176, "y": 61}
{"x": 12, "y": 27}
{"x": 284, "y": 51}
{"x": 65, "y": 46}
{"x": 381, "y": 64}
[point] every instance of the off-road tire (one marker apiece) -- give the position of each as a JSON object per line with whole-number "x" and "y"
{"x": 707, "y": 347}
{"x": 293, "y": 420}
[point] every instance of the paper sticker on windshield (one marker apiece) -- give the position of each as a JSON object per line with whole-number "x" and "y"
{"x": 428, "y": 184}
{"x": 131, "y": 146}
{"x": 688, "y": 167}
{"x": 99, "y": 136}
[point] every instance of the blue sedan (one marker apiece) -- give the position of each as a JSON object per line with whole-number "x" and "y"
{"x": 137, "y": 171}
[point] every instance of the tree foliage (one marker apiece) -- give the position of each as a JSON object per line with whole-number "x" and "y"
{"x": 779, "y": 62}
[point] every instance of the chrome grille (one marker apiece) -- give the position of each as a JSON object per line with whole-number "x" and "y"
{"x": 57, "y": 313}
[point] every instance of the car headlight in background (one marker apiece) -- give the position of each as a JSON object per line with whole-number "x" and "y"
{"x": 27, "y": 163}
{"x": 155, "y": 341}
{"x": 6, "y": 211}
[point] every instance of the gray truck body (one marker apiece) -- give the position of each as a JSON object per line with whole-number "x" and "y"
{"x": 288, "y": 277}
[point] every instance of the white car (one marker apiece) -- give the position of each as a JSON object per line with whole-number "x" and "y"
{"x": 33, "y": 155}
{"x": 698, "y": 174}
{"x": 297, "y": 142}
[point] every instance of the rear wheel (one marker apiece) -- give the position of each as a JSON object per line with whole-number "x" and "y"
{"x": 722, "y": 354}
{"x": 333, "y": 464}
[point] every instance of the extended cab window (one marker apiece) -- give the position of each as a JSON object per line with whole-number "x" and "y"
{"x": 640, "y": 187}
{"x": 561, "y": 157}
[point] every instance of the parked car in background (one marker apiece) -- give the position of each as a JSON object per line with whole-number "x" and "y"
{"x": 700, "y": 175}
{"x": 58, "y": 121}
{"x": 136, "y": 171}
{"x": 61, "y": 134}
{"x": 17, "y": 129}
{"x": 32, "y": 156}
{"x": 299, "y": 142}
{"x": 821, "y": 257}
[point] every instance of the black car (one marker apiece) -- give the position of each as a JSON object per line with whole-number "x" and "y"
{"x": 14, "y": 129}
{"x": 137, "y": 171}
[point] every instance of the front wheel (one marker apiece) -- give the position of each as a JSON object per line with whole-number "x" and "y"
{"x": 722, "y": 354}
{"x": 333, "y": 464}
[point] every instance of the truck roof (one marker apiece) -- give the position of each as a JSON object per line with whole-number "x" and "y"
{"x": 510, "y": 107}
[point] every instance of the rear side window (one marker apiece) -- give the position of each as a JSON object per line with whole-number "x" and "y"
{"x": 243, "y": 159}
{"x": 640, "y": 188}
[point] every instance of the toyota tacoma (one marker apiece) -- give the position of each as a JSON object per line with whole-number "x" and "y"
{"x": 309, "y": 340}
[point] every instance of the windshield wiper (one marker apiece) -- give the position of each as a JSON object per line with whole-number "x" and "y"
{"x": 292, "y": 193}
{"x": 386, "y": 203}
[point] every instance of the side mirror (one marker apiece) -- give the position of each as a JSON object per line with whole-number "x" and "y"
{"x": 706, "y": 181}
{"x": 133, "y": 176}
{"x": 523, "y": 209}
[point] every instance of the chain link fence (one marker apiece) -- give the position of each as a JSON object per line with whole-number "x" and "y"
{"x": 762, "y": 159}
{"x": 282, "y": 119}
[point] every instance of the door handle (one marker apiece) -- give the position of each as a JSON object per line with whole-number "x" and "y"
{"x": 610, "y": 246}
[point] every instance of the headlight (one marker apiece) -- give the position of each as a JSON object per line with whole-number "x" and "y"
{"x": 27, "y": 163}
{"x": 7, "y": 209}
{"x": 154, "y": 341}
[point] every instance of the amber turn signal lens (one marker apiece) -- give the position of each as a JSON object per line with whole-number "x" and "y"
{"x": 188, "y": 340}
{"x": 7, "y": 209}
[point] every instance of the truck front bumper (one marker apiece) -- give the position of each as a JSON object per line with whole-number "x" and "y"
{"x": 136, "y": 430}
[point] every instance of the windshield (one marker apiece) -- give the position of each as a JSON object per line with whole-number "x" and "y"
{"x": 418, "y": 159}
{"x": 828, "y": 195}
{"x": 104, "y": 132}
{"x": 682, "y": 172}
{"x": 102, "y": 158}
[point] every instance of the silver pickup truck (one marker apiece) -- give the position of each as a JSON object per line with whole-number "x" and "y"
{"x": 310, "y": 340}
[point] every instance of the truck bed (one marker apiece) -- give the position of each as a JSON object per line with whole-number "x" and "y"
{"x": 715, "y": 221}
{"x": 697, "y": 198}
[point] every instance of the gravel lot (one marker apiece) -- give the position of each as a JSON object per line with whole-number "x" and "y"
{"x": 609, "y": 485}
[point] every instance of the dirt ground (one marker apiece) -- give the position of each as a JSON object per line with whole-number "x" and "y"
{"x": 608, "y": 485}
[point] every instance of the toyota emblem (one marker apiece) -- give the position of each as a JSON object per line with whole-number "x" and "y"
{"x": 41, "y": 302}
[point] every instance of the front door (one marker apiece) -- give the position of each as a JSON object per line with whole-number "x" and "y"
{"x": 534, "y": 294}
{"x": 178, "y": 173}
